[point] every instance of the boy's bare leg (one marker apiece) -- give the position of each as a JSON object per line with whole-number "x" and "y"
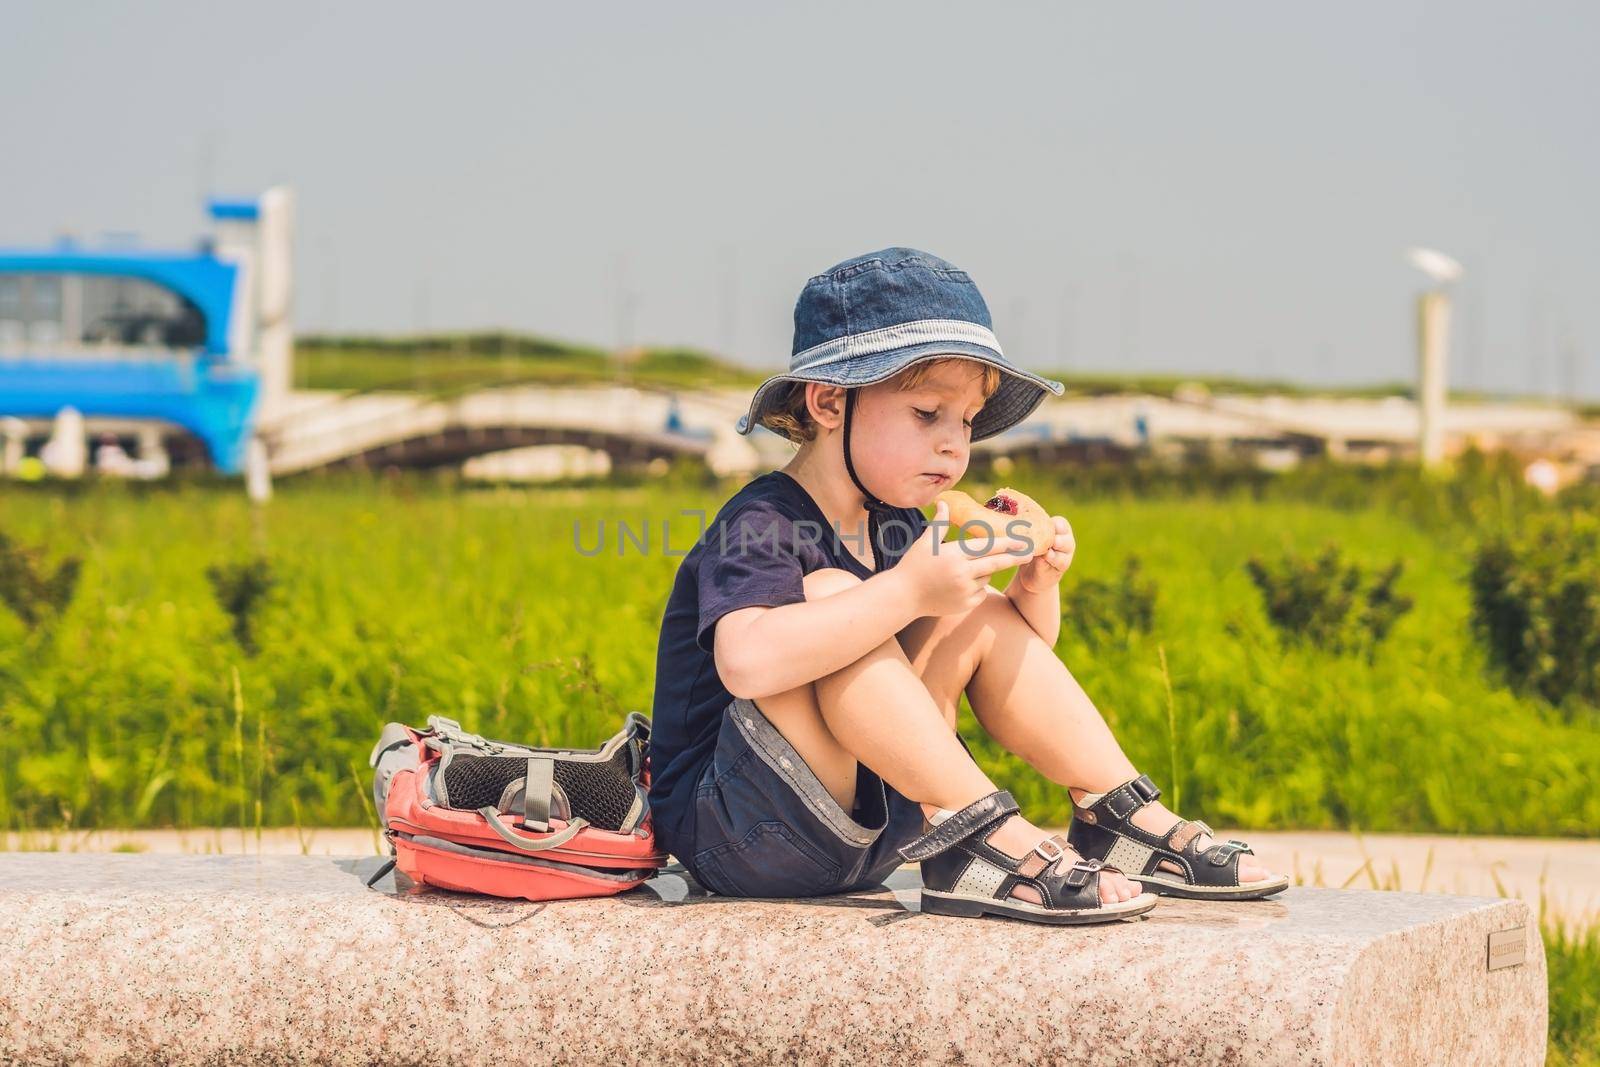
{"x": 1029, "y": 702}
{"x": 879, "y": 710}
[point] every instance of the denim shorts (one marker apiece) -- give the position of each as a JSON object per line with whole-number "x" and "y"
{"x": 766, "y": 827}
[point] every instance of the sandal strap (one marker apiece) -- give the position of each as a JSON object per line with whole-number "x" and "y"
{"x": 1049, "y": 866}
{"x": 1074, "y": 876}
{"x": 1080, "y": 872}
{"x": 981, "y": 813}
{"x": 1220, "y": 854}
{"x": 1044, "y": 855}
{"x": 1115, "y": 807}
{"x": 1181, "y": 847}
{"x": 1184, "y": 832}
{"x": 1051, "y": 852}
{"x": 977, "y": 870}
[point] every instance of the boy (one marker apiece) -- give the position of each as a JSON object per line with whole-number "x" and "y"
{"x": 818, "y": 639}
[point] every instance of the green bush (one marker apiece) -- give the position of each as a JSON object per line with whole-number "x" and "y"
{"x": 1328, "y": 603}
{"x": 1536, "y": 607}
{"x": 33, "y": 591}
{"x": 1102, "y": 610}
{"x": 241, "y": 589}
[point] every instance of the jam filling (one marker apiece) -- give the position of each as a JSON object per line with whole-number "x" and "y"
{"x": 1003, "y": 504}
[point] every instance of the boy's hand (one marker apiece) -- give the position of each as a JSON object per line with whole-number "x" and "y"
{"x": 943, "y": 579}
{"x": 1044, "y": 571}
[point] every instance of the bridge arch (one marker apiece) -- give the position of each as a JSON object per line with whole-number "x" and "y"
{"x": 453, "y": 445}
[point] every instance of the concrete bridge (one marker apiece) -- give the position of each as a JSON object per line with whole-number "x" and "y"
{"x": 1077, "y": 429}
{"x": 315, "y": 430}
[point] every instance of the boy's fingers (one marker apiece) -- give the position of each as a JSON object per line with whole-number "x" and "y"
{"x": 934, "y": 531}
{"x": 986, "y": 565}
{"x": 1004, "y": 546}
{"x": 984, "y": 548}
{"x": 1014, "y": 546}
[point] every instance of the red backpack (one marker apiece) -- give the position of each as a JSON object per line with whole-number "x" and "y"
{"x": 465, "y": 813}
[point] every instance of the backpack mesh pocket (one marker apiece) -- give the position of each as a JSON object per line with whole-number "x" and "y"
{"x": 600, "y": 793}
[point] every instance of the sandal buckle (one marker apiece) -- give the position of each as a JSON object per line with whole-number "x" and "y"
{"x": 1221, "y": 854}
{"x": 1079, "y": 875}
{"x": 1047, "y": 857}
{"x": 1145, "y": 788}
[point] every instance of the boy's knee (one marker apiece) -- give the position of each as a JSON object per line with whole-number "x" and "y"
{"x": 828, "y": 581}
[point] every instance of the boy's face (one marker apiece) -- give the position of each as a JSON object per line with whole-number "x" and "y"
{"x": 909, "y": 445}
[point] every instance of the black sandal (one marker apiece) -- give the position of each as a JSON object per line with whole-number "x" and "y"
{"x": 962, "y": 874}
{"x": 1171, "y": 864}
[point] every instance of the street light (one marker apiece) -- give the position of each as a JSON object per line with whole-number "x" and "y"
{"x": 1433, "y": 346}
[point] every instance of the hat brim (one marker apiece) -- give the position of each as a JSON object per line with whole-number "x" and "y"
{"x": 1019, "y": 394}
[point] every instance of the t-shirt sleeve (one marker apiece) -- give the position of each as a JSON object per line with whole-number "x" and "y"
{"x": 750, "y": 560}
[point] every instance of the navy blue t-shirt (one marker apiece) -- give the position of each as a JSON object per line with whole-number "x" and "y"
{"x": 755, "y": 553}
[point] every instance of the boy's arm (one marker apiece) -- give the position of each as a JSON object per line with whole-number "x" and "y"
{"x": 1035, "y": 589}
{"x": 1040, "y": 607}
{"x": 760, "y": 651}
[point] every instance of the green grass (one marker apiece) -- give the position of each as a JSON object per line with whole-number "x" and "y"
{"x": 456, "y": 363}
{"x": 396, "y": 600}
{"x": 1574, "y": 959}
{"x": 1271, "y": 736}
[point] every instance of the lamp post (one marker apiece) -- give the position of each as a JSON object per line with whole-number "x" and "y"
{"x": 1433, "y": 347}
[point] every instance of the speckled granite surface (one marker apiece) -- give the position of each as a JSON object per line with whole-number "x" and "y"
{"x": 220, "y": 960}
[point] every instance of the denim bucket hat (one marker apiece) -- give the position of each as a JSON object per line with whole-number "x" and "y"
{"x": 868, "y": 318}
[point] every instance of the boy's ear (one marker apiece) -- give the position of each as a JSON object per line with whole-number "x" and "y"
{"x": 826, "y": 404}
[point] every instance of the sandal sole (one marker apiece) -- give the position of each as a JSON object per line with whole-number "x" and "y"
{"x": 935, "y": 902}
{"x": 1225, "y": 892}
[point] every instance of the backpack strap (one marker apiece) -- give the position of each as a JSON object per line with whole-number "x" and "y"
{"x": 394, "y": 733}
{"x": 636, "y": 812}
{"x": 537, "y": 787}
{"x": 381, "y": 871}
{"x": 522, "y": 844}
{"x": 637, "y": 729}
{"x": 448, "y": 730}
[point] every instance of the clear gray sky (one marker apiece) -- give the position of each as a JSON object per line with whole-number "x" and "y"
{"x": 1167, "y": 186}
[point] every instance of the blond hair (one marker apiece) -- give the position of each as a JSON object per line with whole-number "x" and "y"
{"x": 790, "y": 417}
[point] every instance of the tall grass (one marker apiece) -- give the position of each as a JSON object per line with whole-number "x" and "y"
{"x": 1273, "y": 735}
{"x": 1574, "y": 959}
{"x": 399, "y": 599}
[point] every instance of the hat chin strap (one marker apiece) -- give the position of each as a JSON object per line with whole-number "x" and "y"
{"x": 877, "y": 510}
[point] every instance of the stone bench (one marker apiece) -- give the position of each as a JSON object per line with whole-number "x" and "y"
{"x": 216, "y": 960}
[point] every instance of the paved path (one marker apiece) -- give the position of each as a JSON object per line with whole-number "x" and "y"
{"x": 1564, "y": 874}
